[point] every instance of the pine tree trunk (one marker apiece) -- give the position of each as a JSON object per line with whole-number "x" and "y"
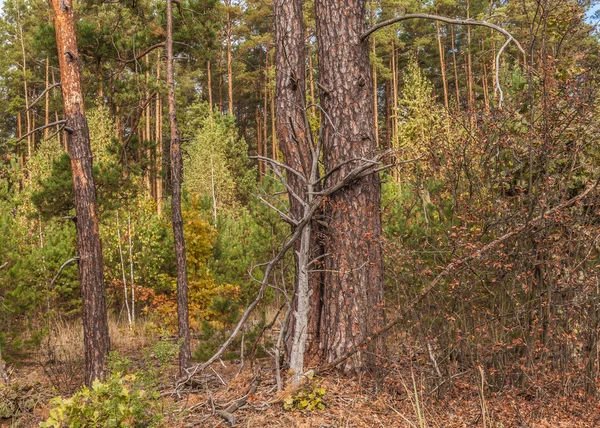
{"x": 209, "y": 87}
{"x": 455, "y": 65}
{"x": 471, "y": 99}
{"x": 229, "y": 61}
{"x": 47, "y": 109}
{"x": 442, "y": 64}
{"x": 185, "y": 355}
{"x": 95, "y": 323}
{"x": 159, "y": 144}
{"x": 353, "y": 296}
{"x": 293, "y": 131}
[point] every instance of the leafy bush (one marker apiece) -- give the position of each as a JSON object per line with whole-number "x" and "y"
{"x": 309, "y": 398}
{"x": 118, "y": 402}
{"x": 123, "y": 400}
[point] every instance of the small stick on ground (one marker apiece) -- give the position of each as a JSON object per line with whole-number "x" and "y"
{"x": 227, "y": 414}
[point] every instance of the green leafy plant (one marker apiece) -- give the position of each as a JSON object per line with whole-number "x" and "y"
{"x": 309, "y": 398}
{"x": 123, "y": 400}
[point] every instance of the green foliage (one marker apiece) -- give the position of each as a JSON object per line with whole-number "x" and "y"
{"x": 217, "y": 164}
{"x": 123, "y": 400}
{"x": 118, "y": 402}
{"x": 307, "y": 399}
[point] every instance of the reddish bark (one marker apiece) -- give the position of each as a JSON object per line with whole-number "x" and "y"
{"x": 95, "y": 323}
{"x": 353, "y": 298}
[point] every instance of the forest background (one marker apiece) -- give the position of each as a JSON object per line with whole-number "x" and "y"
{"x": 527, "y": 313}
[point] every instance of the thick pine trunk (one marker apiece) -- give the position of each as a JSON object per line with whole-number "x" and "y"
{"x": 185, "y": 355}
{"x": 293, "y": 134}
{"x": 353, "y": 296}
{"x": 95, "y": 324}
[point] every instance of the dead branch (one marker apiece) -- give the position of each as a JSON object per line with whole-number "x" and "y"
{"x": 310, "y": 210}
{"x": 262, "y": 332}
{"x": 287, "y": 167}
{"x": 447, "y": 20}
{"x": 449, "y": 268}
{"x": 49, "y": 88}
{"x": 41, "y": 128}
{"x": 65, "y": 264}
{"x": 143, "y": 54}
{"x": 227, "y": 414}
{"x": 509, "y": 37}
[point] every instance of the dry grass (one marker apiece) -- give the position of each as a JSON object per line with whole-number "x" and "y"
{"x": 61, "y": 352}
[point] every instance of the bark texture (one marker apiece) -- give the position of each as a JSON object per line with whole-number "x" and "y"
{"x": 293, "y": 134}
{"x": 353, "y": 296}
{"x": 185, "y": 355}
{"x": 95, "y": 323}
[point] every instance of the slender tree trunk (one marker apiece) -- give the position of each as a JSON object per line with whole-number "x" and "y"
{"x": 148, "y": 131}
{"x": 95, "y": 323}
{"x": 25, "y": 86}
{"x": 259, "y": 143}
{"x": 486, "y": 97}
{"x": 47, "y": 109}
{"x": 274, "y": 142}
{"x": 159, "y": 144}
{"x": 209, "y": 86}
{"x": 293, "y": 130}
{"x": 185, "y": 355}
{"x": 442, "y": 64}
{"x": 229, "y": 62}
{"x": 122, "y": 259}
{"x": 311, "y": 79}
{"x": 394, "y": 110}
{"x": 266, "y": 106}
{"x": 471, "y": 99}
{"x": 353, "y": 297}
{"x": 455, "y": 66}
{"x": 221, "y": 83}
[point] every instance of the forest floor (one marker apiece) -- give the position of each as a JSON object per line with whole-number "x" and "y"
{"x": 403, "y": 397}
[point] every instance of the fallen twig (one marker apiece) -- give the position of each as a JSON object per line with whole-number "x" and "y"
{"x": 227, "y": 414}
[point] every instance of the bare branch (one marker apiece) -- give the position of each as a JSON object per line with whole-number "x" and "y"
{"x": 143, "y": 54}
{"x": 283, "y": 215}
{"x": 41, "y": 128}
{"x": 64, "y": 265}
{"x": 497, "y": 76}
{"x": 282, "y": 165}
{"x": 389, "y": 22}
{"x": 49, "y": 88}
{"x": 509, "y": 37}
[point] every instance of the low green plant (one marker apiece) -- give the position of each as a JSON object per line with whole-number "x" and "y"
{"x": 122, "y": 400}
{"x": 309, "y": 398}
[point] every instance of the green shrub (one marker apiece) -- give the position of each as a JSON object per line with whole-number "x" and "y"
{"x": 123, "y": 400}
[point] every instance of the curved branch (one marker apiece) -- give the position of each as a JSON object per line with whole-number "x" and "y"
{"x": 452, "y": 21}
{"x": 64, "y": 265}
{"x": 41, "y": 128}
{"x": 509, "y": 37}
{"x": 141, "y": 55}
